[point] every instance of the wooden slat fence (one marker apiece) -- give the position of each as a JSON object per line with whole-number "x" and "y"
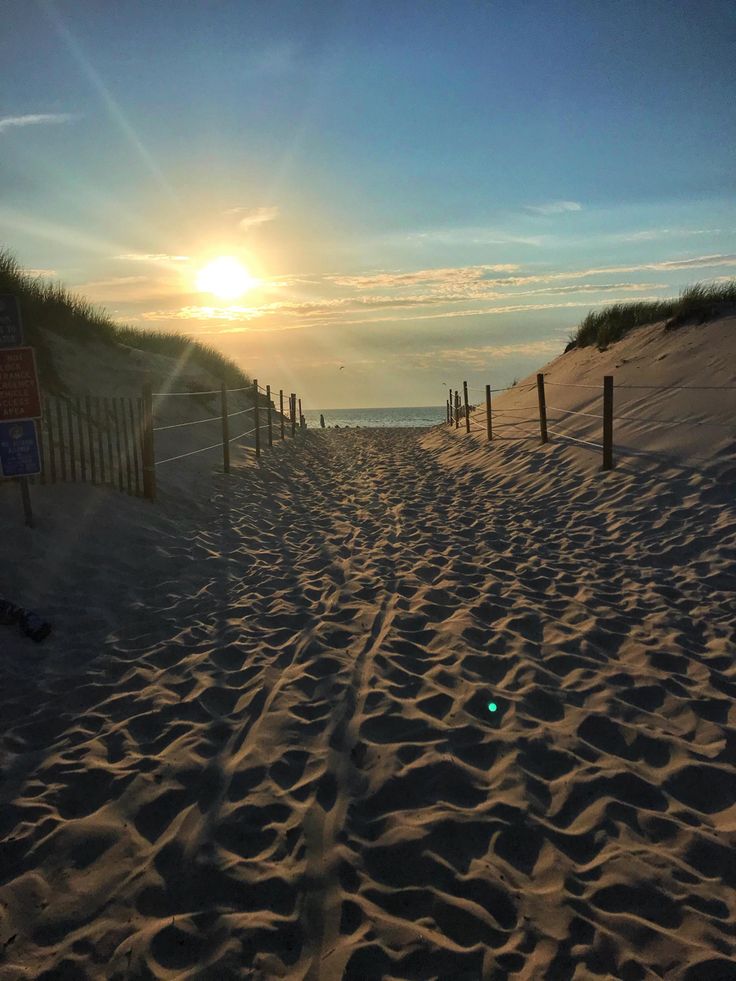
{"x": 89, "y": 439}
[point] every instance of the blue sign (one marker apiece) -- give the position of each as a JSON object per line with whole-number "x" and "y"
{"x": 11, "y": 328}
{"x": 19, "y": 455}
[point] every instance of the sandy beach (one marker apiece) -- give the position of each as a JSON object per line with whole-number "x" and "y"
{"x": 367, "y": 491}
{"x": 258, "y": 743}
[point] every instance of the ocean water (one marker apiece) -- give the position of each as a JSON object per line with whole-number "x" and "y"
{"x": 425, "y": 415}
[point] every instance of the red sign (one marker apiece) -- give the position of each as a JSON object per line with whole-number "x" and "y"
{"x": 19, "y": 395}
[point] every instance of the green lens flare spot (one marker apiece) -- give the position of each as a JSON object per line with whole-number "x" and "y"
{"x": 492, "y": 707}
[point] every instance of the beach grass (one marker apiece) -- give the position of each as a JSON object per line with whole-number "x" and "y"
{"x": 695, "y": 304}
{"x": 50, "y": 306}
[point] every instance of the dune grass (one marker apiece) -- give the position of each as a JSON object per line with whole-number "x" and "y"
{"x": 696, "y": 304}
{"x": 51, "y": 307}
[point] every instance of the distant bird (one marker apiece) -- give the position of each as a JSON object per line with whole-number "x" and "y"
{"x": 342, "y": 366}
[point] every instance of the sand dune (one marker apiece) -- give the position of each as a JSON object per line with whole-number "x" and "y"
{"x": 258, "y": 742}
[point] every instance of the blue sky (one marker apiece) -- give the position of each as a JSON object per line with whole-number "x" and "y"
{"x": 426, "y": 191}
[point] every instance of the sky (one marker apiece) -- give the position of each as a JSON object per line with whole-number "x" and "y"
{"x": 422, "y": 192}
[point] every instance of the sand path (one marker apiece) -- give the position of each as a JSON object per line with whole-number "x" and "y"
{"x": 280, "y": 761}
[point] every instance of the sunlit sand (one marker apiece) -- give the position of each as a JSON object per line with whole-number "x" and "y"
{"x": 391, "y": 703}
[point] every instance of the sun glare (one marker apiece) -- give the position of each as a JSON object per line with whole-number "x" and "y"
{"x": 226, "y": 278}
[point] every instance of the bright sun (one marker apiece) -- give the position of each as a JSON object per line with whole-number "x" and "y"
{"x": 226, "y": 278}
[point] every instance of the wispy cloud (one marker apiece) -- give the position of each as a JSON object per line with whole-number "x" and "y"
{"x": 152, "y": 257}
{"x": 495, "y": 311}
{"x": 470, "y": 235}
{"x": 480, "y": 356}
{"x": 36, "y": 119}
{"x": 652, "y": 234}
{"x": 337, "y": 312}
{"x": 435, "y": 294}
{"x": 554, "y": 207}
{"x": 42, "y": 273}
{"x": 204, "y": 313}
{"x": 449, "y": 276}
{"x": 250, "y": 217}
{"x": 113, "y": 282}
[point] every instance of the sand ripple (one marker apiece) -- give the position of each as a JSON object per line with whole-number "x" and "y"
{"x": 266, "y": 751}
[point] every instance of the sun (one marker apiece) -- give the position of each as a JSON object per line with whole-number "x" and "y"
{"x": 226, "y": 278}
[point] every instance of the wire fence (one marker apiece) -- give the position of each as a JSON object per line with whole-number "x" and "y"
{"x": 267, "y": 422}
{"x": 112, "y": 441}
{"x": 555, "y": 420}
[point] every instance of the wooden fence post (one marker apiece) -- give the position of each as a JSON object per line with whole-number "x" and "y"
{"x": 118, "y": 442}
{"x": 607, "y": 422}
{"x": 91, "y": 440}
{"x": 281, "y": 411}
{"x": 255, "y": 417}
{"x": 126, "y": 443}
{"x": 25, "y": 496}
{"x": 268, "y": 412}
{"x": 51, "y": 445}
{"x": 70, "y": 433}
{"x": 108, "y": 431}
{"x": 80, "y": 433}
{"x": 139, "y": 430}
{"x": 60, "y": 430}
{"x": 225, "y": 429}
{"x": 100, "y": 453}
{"x": 449, "y": 413}
{"x": 457, "y": 409}
{"x": 467, "y": 407}
{"x": 135, "y": 451}
{"x": 301, "y": 417}
{"x": 293, "y": 413}
{"x": 489, "y": 422}
{"x": 148, "y": 449}
{"x": 542, "y": 408}
{"x": 42, "y": 444}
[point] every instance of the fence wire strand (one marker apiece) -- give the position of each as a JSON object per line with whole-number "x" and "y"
{"x": 181, "y": 456}
{"x": 658, "y": 423}
{"x": 510, "y": 419}
{"x": 576, "y": 439}
{"x": 681, "y": 388}
{"x": 233, "y": 438}
{"x": 575, "y": 412}
{"x": 202, "y": 449}
{"x": 179, "y": 425}
{"x": 596, "y": 388}
{"x": 167, "y": 394}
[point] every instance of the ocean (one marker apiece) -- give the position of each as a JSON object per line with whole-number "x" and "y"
{"x": 425, "y": 415}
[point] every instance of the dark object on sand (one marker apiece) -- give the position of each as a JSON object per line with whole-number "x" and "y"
{"x": 9, "y": 613}
{"x": 33, "y": 626}
{"x": 322, "y": 420}
{"x": 30, "y": 623}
